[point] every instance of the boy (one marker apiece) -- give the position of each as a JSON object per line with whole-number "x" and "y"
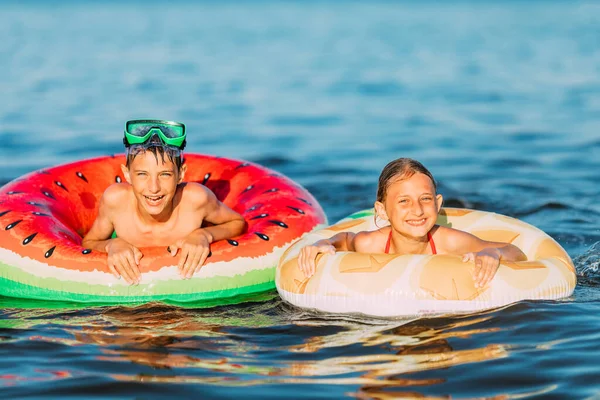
{"x": 156, "y": 208}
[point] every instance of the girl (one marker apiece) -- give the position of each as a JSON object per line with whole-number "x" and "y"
{"x": 407, "y": 198}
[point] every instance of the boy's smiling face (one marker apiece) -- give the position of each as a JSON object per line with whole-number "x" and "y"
{"x": 154, "y": 180}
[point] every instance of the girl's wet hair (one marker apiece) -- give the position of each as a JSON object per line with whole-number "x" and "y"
{"x": 156, "y": 146}
{"x": 401, "y": 168}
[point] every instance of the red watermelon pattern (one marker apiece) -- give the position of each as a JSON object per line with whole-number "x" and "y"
{"x": 45, "y": 214}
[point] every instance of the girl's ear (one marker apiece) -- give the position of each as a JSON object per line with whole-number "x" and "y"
{"x": 182, "y": 171}
{"x": 125, "y": 171}
{"x": 440, "y": 201}
{"x": 380, "y": 211}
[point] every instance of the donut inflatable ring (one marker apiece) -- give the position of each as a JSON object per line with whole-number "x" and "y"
{"x": 389, "y": 285}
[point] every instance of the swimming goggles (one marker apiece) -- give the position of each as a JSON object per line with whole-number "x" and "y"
{"x": 139, "y": 131}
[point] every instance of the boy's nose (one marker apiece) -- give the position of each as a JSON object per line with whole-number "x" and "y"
{"x": 154, "y": 185}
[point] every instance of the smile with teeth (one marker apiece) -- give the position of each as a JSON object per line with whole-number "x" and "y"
{"x": 416, "y": 222}
{"x": 154, "y": 199}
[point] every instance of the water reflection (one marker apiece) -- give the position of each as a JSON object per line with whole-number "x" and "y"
{"x": 182, "y": 345}
{"x": 257, "y": 344}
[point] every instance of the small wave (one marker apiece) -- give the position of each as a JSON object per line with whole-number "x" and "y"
{"x": 551, "y": 205}
{"x": 587, "y": 265}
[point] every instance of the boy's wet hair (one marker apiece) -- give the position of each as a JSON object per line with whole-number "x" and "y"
{"x": 158, "y": 148}
{"x": 401, "y": 168}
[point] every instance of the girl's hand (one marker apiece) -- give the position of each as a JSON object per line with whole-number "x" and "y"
{"x": 308, "y": 255}
{"x": 486, "y": 262}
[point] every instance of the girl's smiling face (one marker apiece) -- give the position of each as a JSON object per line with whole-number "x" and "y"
{"x": 411, "y": 205}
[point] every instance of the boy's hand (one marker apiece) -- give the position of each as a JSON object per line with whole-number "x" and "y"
{"x": 308, "y": 255}
{"x": 123, "y": 260}
{"x": 195, "y": 249}
{"x": 487, "y": 262}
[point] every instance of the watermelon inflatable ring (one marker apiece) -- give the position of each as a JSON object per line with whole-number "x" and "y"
{"x": 45, "y": 214}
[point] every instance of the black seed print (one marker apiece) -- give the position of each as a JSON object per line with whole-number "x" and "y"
{"x": 281, "y": 224}
{"x": 259, "y": 216}
{"x": 250, "y": 187}
{"x": 232, "y": 242}
{"x": 39, "y": 214}
{"x": 49, "y": 252}
{"x": 206, "y": 177}
{"x": 29, "y": 238}
{"x": 296, "y": 209}
{"x": 242, "y": 165}
{"x": 81, "y": 176}
{"x": 60, "y": 185}
{"x": 118, "y": 179}
{"x": 13, "y": 192}
{"x": 4, "y": 213}
{"x": 254, "y": 207}
{"x": 86, "y": 251}
{"x": 262, "y": 236}
{"x": 271, "y": 190}
{"x": 48, "y": 193}
{"x": 33, "y": 203}
{"x": 304, "y": 200}
{"x": 12, "y": 225}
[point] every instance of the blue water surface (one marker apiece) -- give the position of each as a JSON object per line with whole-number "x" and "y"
{"x": 501, "y": 100}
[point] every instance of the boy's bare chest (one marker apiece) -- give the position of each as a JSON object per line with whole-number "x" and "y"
{"x": 142, "y": 234}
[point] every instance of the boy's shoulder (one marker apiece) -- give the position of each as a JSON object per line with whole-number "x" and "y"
{"x": 116, "y": 193}
{"x": 195, "y": 194}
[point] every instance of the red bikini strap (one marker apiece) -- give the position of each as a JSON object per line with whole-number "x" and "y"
{"x": 387, "y": 245}
{"x": 429, "y": 237}
{"x": 431, "y": 243}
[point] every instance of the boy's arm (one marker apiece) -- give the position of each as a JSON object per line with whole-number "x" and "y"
{"x": 225, "y": 223}
{"x": 123, "y": 258}
{"x": 99, "y": 235}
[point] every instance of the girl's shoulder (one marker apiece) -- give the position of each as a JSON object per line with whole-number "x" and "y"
{"x": 451, "y": 240}
{"x": 446, "y": 231}
{"x": 371, "y": 241}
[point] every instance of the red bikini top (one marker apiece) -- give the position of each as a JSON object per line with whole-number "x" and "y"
{"x": 429, "y": 237}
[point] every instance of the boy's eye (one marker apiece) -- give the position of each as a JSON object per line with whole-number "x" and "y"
{"x": 403, "y": 201}
{"x": 427, "y": 198}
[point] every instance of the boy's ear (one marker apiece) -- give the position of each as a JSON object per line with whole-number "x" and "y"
{"x": 440, "y": 201}
{"x": 380, "y": 211}
{"x": 125, "y": 171}
{"x": 182, "y": 171}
